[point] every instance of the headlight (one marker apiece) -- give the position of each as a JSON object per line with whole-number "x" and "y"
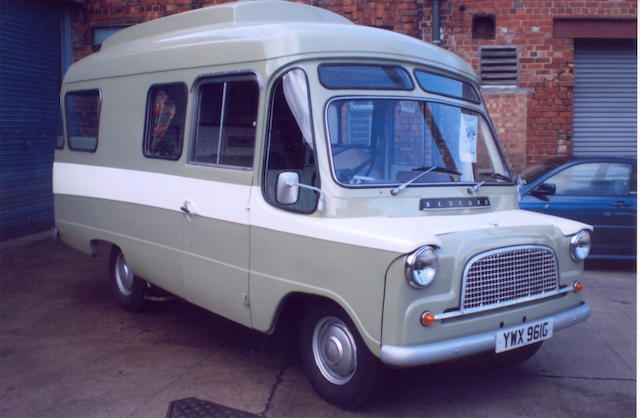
{"x": 580, "y": 245}
{"x": 421, "y": 267}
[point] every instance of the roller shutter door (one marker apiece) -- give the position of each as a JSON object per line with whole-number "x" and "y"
{"x": 29, "y": 106}
{"x": 605, "y": 99}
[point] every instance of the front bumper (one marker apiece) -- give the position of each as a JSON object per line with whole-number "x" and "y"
{"x": 403, "y": 356}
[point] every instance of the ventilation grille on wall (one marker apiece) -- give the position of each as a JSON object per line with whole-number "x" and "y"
{"x": 499, "y": 65}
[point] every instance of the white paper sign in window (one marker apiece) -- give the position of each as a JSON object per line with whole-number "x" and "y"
{"x": 468, "y": 138}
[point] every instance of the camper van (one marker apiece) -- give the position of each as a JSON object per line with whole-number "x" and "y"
{"x": 274, "y": 163}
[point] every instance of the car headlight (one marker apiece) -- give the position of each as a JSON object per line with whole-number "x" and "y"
{"x": 580, "y": 245}
{"x": 421, "y": 267}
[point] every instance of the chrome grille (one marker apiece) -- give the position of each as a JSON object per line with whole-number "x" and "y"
{"x": 508, "y": 276}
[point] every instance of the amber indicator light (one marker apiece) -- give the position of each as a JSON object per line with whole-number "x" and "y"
{"x": 427, "y": 318}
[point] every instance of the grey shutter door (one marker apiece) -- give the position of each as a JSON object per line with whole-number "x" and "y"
{"x": 605, "y": 102}
{"x": 29, "y": 108}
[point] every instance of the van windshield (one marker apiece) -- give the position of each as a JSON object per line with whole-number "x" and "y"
{"x": 384, "y": 141}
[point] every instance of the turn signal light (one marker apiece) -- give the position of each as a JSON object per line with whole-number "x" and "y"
{"x": 427, "y": 318}
{"x": 578, "y": 286}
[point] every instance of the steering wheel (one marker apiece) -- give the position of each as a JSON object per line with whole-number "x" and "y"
{"x": 346, "y": 175}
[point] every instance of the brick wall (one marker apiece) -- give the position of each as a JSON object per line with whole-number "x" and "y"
{"x": 535, "y": 118}
{"x": 546, "y": 65}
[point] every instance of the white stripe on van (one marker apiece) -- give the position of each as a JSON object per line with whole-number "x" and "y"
{"x": 154, "y": 189}
{"x": 230, "y": 202}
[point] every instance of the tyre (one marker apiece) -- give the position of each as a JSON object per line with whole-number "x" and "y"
{"x": 340, "y": 367}
{"x": 127, "y": 289}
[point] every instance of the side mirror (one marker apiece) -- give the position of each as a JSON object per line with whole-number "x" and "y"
{"x": 287, "y": 188}
{"x": 544, "y": 190}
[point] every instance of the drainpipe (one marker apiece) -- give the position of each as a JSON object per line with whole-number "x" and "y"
{"x": 435, "y": 20}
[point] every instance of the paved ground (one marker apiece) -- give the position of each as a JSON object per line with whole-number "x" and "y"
{"x": 66, "y": 350}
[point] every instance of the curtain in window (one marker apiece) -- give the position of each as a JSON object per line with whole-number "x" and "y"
{"x": 296, "y": 92}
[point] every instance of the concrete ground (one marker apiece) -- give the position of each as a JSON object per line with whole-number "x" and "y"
{"x": 66, "y": 350}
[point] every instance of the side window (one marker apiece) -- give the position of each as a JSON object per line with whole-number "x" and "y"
{"x": 82, "y": 111}
{"x": 290, "y": 146}
{"x": 164, "y": 130}
{"x": 593, "y": 179}
{"x": 226, "y": 130}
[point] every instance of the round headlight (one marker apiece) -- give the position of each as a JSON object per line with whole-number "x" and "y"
{"x": 421, "y": 267}
{"x": 580, "y": 245}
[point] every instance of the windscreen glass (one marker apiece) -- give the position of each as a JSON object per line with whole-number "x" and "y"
{"x": 390, "y": 141}
{"x": 439, "y": 84}
{"x": 362, "y": 76}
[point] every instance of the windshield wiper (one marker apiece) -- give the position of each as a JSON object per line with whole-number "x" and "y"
{"x": 425, "y": 170}
{"x": 473, "y": 189}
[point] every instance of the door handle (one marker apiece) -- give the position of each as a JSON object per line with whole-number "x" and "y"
{"x": 186, "y": 207}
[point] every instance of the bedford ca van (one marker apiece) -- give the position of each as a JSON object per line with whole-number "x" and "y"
{"x": 272, "y": 162}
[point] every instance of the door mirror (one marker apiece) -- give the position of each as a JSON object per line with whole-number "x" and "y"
{"x": 544, "y": 190}
{"x": 287, "y": 188}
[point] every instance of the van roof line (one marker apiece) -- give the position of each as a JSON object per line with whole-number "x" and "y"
{"x": 242, "y": 13}
{"x": 252, "y": 31}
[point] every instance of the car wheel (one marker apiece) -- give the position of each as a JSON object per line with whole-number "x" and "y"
{"x": 341, "y": 368}
{"x": 128, "y": 289}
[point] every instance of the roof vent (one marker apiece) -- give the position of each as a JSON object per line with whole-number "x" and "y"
{"x": 499, "y": 65}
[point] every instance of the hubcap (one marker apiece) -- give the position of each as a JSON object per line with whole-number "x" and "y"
{"x": 124, "y": 276}
{"x": 334, "y": 350}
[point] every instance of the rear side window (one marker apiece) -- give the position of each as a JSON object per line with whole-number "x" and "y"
{"x": 226, "y": 130}
{"x": 82, "y": 112}
{"x": 164, "y": 130}
{"x": 439, "y": 84}
{"x": 363, "y": 76}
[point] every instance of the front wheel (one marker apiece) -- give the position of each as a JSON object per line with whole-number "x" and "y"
{"x": 128, "y": 289}
{"x": 340, "y": 367}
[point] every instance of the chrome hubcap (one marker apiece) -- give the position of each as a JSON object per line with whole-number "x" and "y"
{"x": 334, "y": 350}
{"x": 124, "y": 276}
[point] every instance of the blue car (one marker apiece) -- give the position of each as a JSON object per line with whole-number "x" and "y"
{"x": 597, "y": 191}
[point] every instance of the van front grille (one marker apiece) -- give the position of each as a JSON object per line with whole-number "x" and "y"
{"x": 508, "y": 276}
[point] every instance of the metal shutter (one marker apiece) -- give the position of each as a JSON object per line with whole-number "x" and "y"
{"x": 604, "y": 122}
{"x": 29, "y": 107}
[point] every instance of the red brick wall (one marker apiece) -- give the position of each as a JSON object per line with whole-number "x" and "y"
{"x": 538, "y": 122}
{"x": 546, "y": 64}
{"x": 508, "y": 112}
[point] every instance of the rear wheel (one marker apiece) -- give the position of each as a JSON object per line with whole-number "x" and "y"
{"x": 127, "y": 289}
{"x": 341, "y": 368}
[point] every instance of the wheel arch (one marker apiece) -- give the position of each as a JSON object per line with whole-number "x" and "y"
{"x": 292, "y": 306}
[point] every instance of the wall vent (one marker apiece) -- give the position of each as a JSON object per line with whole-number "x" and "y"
{"x": 499, "y": 65}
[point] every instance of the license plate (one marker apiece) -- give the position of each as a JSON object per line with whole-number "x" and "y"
{"x": 520, "y": 336}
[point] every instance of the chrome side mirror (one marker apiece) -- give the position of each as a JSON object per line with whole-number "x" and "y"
{"x": 287, "y": 188}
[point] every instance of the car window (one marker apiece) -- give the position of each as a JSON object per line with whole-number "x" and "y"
{"x": 593, "y": 179}
{"x": 82, "y": 110}
{"x": 290, "y": 146}
{"x": 166, "y": 108}
{"x": 227, "y": 112}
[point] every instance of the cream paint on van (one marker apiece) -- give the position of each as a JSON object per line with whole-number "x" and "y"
{"x": 204, "y": 198}
{"x": 236, "y": 254}
{"x": 282, "y": 244}
{"x": 401, "y": 324}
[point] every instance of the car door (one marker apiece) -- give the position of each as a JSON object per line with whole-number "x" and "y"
{"x": 597, "y": 193}
{"x": 216, "y": 208}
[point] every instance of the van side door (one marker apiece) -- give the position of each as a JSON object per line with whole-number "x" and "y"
{"x": 216, "y": 205}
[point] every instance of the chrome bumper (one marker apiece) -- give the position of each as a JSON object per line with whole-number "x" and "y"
{"x": 403, "y": 356}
